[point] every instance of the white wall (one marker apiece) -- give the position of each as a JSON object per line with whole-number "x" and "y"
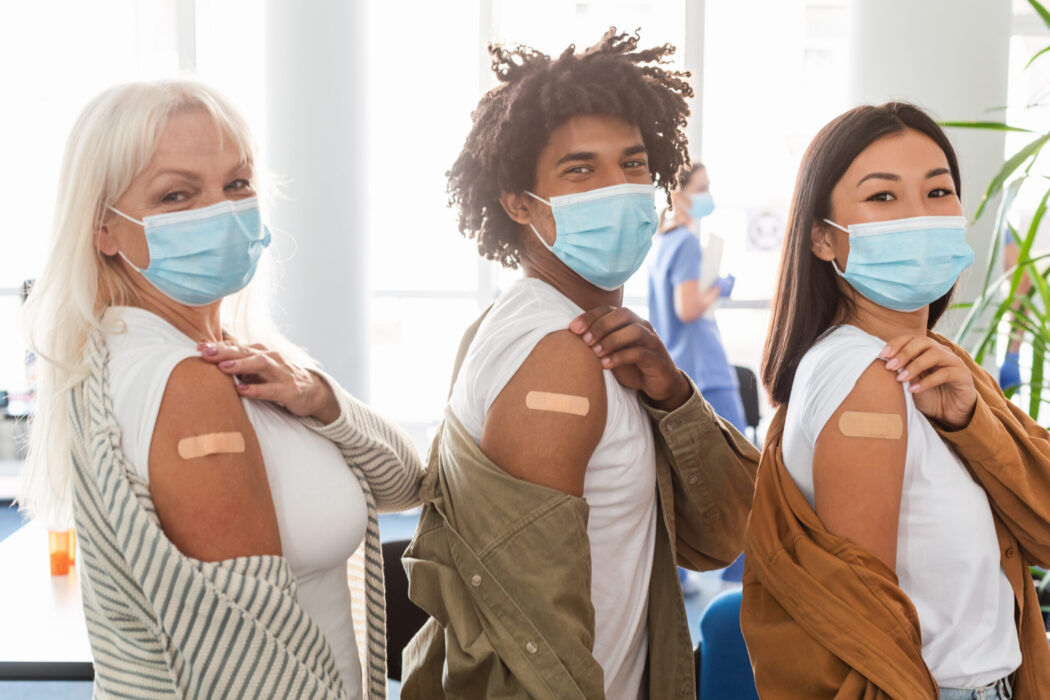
{"x": 316, "y": 145}
{"x": 951, "y": 57}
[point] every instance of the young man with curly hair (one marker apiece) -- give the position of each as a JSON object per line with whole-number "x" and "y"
{"x": 576, "y": 465}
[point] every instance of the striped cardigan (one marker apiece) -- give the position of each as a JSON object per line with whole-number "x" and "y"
{"x": 164, "y": 625}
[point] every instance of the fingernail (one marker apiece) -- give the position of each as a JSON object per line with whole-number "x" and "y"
{"x": 914, "y": 388}
{"x": 606, "y": 361}
{"x": 901, "y": 376}
{"x": 210, "y": 350}
{"x": 597, "y": 348}
{"x": 576, "y": 326}
{"x": 885, "y": 352}
{"x": 242, "y": 387}
{"x": 587, "y": 338}
{"x": 226, "y": 364}
{"x": 893, "y": 364}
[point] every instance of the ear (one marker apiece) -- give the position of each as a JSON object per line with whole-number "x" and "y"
{"x": 105, "y": 241}
{"x": 514, "y": 203}
{"x": 820, "y": 239}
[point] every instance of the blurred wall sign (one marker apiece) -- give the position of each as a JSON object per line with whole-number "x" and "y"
{"x": 765, "y": 230}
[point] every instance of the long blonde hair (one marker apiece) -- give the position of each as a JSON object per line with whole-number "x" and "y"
{"x": 111, "y": 143}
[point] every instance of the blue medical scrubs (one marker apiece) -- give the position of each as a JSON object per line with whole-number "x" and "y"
{"x": 696, "y": 347}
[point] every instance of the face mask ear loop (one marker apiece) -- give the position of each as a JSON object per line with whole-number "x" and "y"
{"x": 834, "y": 265}
{"x": 120, "y": 213}
{"x": 134, "y": 267}
{"x": 121, "y": 252}
{"x": 538, "y": 236}
{"x": 840, "y": 228}
{"x": 534, "y": 196}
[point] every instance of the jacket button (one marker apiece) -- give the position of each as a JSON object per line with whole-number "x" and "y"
{"x": 1010, "y": 552}
{"x": 531, "y": 648}
{"x": 475, "y": 580}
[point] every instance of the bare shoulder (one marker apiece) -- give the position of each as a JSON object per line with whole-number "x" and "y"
{"x": 545, "y": 424}
{"x": 206, "y": 471}
{"x": 872, "y": 420}
{"x": 859, "y": 460}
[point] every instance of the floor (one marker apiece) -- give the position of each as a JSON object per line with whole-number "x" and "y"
{"x": 393, "y": 526}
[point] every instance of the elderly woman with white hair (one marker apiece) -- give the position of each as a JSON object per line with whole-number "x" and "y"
{"x": 219, "y": 482}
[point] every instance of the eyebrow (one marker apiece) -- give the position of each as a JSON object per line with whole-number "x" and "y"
{"x": 897, "y": 178}
{"x": 591, "y": 155}
{"x": 190, "y": 175}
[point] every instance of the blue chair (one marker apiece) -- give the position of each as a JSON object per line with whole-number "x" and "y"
{"x": 725, "y": 669}
{"x": 734, "y": 572}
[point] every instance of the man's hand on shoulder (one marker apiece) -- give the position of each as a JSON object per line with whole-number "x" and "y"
{"x": 628, "y": 345}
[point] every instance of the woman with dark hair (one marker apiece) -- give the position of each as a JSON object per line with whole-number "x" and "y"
{"x": 900, "y": 497}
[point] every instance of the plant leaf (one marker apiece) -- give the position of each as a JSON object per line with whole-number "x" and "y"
{"x": 1037, "y": 55}
{"x": 1038, "y": 357}
{"x": 994, "y": 126}
{"x": 1001, "y": 224}
{"x": 1042, "y": 12}
{"x": 1009, "y": 167}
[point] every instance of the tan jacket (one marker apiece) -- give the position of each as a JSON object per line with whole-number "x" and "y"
{"x": 503, "y": 566}
{"x": 825, "y": 618}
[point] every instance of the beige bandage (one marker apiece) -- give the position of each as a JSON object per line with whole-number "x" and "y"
{"x": 558, "y": 403}
{"x": 871, "y": 425}
{"x": 211, "y": 444}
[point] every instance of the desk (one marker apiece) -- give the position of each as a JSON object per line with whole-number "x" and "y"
{"x": 42, "y": 630}
{"x": 44, "y": 636}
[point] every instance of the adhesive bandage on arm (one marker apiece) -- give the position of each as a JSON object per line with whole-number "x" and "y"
{"x": 871, "y": 425}
{"x": 211, "y": 444}
{"x": 557, "y": 403}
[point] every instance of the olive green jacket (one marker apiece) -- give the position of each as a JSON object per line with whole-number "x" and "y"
{"x": 503, "y": 565}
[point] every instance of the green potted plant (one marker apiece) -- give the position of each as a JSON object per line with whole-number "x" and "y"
{"x": 1007, "y": 308}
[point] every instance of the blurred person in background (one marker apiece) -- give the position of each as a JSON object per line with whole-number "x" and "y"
{"x": 681, "y": 307}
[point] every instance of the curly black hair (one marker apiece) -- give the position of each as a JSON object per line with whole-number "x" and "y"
{"x": 514, "y": 120}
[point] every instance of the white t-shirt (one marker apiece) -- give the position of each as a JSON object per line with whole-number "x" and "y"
{"x": 619, "y": 485}
{"x": 321, "y": 510}
{"x": 947, "y": 550}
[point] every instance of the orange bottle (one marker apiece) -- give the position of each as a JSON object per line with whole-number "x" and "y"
{"x": 62, "y": 550}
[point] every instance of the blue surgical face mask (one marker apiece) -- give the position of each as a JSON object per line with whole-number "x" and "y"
{"x": 905, "y": 264}
{"x": 603, "y": 235}
{"x": 199, "y": 256}
{"x": 702, "y": 204}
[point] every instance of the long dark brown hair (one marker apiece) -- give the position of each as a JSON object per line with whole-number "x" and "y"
{"x": 808, "y": 296}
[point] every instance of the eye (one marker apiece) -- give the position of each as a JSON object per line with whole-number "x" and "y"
{"x": 941, "y": 192}
{"x": 638, "y": 163}
{"x": 238, "y": 185}
{"x": 173, "y": 197}
{"x": 881, "y": 197}
{"x": 578, "y": 170}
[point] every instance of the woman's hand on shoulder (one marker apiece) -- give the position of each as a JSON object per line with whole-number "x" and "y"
{"x": 264, "y": 374}
{"x": 941, "y": 384}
